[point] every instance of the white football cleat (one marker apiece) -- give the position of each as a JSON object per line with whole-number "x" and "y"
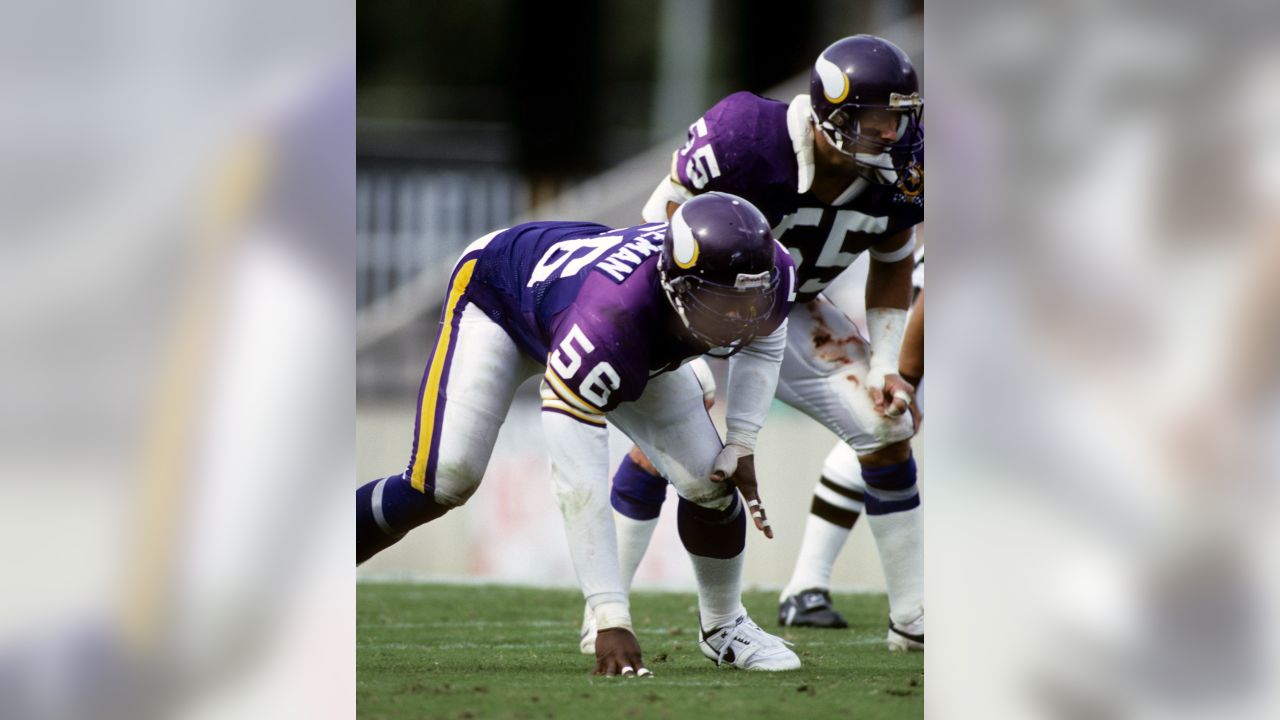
{"x": 743, "y": 644}
{"x": 906, "y": 638}
{"x": 587, "y": 635}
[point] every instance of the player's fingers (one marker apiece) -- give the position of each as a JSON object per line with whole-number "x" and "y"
{"x": 609, "y": 666}
{"x": 634, "y": 667}
{"x": 877, "y": 398}
{"x": 759, "y": 517}
{"x": 901, "y": 400}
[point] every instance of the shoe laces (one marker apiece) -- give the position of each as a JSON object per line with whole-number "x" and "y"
{"x": 763, "y": 639}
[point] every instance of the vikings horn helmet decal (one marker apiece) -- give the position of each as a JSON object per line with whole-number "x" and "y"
{"x": 866, "y": 102}
{"x": 835, "y": 84}
{"x": 684, "y": 246}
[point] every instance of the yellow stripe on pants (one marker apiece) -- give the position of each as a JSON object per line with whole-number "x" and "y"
{"x": 430, "y": 396}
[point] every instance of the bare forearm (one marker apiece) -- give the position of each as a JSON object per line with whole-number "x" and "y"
{"x": 889, "y": 277}
{"x": 888, "y": 297}
{"x": 911, "y": 363}
{"x": 889, "y": 284}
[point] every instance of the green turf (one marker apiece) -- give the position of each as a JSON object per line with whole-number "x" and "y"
{"x": 448, "y": 651}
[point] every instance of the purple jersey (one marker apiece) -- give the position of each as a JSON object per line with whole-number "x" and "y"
{"x": 585, "y": 299}
{"x": 745, "y": 146}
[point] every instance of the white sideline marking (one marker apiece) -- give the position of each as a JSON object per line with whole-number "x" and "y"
{"x": 473, "y": 624}
{"x": 463, "y": 646}
{"x": 432, "y": 580}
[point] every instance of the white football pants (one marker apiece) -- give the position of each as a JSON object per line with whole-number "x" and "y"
{"x": 822, "y": 374}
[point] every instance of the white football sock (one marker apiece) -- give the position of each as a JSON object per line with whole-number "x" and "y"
{"x": 837, "y": 503}
{"x": 822, "y": 543}
{"x": 900, "y": 540}
{"x": 633, "y": 540}
{"x": 719, "y": 589}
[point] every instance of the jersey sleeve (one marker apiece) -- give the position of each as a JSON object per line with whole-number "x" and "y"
{"x": 786, "y": 298}
{"x": 753, "y": 373}
{"x": 722, "y": 149}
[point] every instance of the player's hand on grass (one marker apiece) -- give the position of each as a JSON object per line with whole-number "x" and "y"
{"x": 618, "y": 653}
{"x": 737, "y": 465}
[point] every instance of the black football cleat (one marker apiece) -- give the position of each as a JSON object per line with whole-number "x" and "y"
{"x": 810, "y": 608}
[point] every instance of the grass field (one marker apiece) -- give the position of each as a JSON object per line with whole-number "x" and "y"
{"x": 448, "y": 651}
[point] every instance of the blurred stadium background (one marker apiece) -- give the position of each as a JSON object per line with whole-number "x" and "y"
{"x": 1104, "y": 395}
{"x": 496, "y": 112}
{"x": 179, "y": 208}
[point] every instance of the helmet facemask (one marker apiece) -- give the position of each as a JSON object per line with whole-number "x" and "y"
{"x": 845, "y": 129}
{"x": 718, "y": 269}
{"x": 719, "y": 315}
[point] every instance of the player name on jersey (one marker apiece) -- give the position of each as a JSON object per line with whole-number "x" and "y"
{"x": 622, "y": 262}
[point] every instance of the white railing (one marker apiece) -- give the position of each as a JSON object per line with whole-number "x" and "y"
{"x": 411, "y": 221}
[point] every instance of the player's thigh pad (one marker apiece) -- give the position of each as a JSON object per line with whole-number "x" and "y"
{"x": 822, "y": 375}
{"x": 670, "y": 424}
{"x": 466, "y": 392}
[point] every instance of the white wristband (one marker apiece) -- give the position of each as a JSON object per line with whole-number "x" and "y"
{"x": 886, "y": 327}
{"x": 611, "y": 615}
{"x": 745, "y": 439}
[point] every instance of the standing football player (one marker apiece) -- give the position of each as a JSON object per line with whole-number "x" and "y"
{"x": 837, "y": 172}
{"x": 608, "y": 318}
{"x": 841, "y": 469}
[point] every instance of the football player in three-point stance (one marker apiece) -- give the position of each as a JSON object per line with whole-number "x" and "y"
{"x": 608, "y": 318}
{"x": 836, "y": 172}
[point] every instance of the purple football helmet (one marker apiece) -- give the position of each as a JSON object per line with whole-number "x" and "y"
{"x": 717, "y": 269}
{"x": 866, "y": 102}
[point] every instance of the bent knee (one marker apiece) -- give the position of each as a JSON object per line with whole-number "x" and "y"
{"x": 637, "y": 493}
{"x": 715, "y": 497}
{"x": 891, "y": 454}
{"x": 455, "y": 483}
